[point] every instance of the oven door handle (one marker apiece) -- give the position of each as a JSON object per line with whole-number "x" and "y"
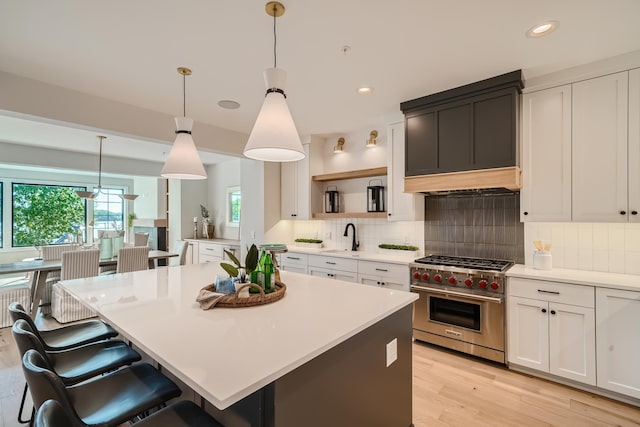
{"x": 496, "y": 300}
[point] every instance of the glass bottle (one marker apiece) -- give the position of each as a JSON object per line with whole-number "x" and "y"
{"x": 257, "y": 273}
{"x": 269, "y": 275}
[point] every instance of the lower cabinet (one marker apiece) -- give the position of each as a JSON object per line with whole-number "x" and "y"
{"x": 393, "y": 276}
{"x": 333, "y": 267}
{"x": 210, "y": 252}
{"x": 552, "y": 328}
{"x": 295, "y": 262}
{"x": 618, "y": 331}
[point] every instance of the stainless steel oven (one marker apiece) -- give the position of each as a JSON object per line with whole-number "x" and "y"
{"x": 460, "y": 308}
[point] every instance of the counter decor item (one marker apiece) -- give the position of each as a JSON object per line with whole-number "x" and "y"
{"x": 238, "y": 270}
{"x": 208, "y": 298}
{"x": 542, "y": 259}
{"x": 399, "y": 250}
{"x": 207, "y": 227}
{"x": 375, "y": 197}
{"x": 309, "y": 243}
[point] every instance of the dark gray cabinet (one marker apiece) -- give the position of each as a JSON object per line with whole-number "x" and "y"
{"x": 467, "y": 128}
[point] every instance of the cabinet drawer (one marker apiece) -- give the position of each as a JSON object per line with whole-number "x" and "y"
{"x": 334, "y": 263}
{"x": 294, "y": 259}
{"x": 208, "y": 258}
{"x": 210, "y": 249}
{"x": 398, "y": 272}
{"x": 565, "y": 293}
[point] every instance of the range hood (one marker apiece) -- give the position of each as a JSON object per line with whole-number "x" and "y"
{"x": 464, "y": 138}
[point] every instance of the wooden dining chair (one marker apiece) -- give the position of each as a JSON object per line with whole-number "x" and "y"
{"x": 133, "y": 259}
{"x": 52, "y": 253}
{"x": 75, "y": 265}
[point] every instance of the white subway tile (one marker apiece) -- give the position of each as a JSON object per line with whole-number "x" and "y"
{"x": 585, "y": 235}
{"x": 600, "y": 260}
{"x": 632, "y": 263}
{"x": 571, "y": 258}
{"x": 601, "y": 237}
{"x": 571, "y": 235}
{"x": 585, "y": 259}
{"x": 616, "y": 261}
{"x": 632, "y": 238}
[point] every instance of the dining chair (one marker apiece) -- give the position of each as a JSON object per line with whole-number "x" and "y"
{"x": 180, "y": 414}
{"x": 108, "y": 400}
{"x": 52, "y": 253}
{"x": 18, "y": 290}
{"x": 133, "y": 259}
{"x": 141, "y": 239}
{"x": 75, "y": 265}
{"x": 179, "y": 247}
{"x": 76, "y": 364}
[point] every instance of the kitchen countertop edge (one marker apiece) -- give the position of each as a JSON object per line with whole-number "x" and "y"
{"x": 599, "y": 279}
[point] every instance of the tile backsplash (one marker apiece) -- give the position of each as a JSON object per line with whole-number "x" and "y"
{"x": 478, "y": 225}
{"x": 608, "y": 247}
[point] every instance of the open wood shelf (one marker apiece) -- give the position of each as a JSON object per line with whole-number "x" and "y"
{"x": 322, "y": 215}
{"x": 362, "y": 173}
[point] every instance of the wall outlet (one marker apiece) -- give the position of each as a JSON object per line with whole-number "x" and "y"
{"x": 392, "y": 351}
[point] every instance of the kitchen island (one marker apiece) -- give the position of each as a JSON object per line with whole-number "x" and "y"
{"x": 329, "y": 353}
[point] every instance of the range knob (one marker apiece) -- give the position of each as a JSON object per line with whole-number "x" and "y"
{"x": 483, "y": 284}
{"x": 437, "y": 278}
{"x": 416, "y": 275}
{"x": 494, "y": 286}
{"x": 468, "y": 282}
{"x": 452, "y": 280}
{"x": 425, "y": 276}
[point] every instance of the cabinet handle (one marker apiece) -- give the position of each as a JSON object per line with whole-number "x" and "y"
{"x": 525, "y": 213}
{"x": 382, "y": 269}
{"x": 382, "y": 283}
{"x": 292, "y": 257}
{"x": 544, "y": 310}
{"x": 294, "y": 215}
{"x": 548, "y": 292}
{"x": 623, "y": 212}
{"x": 634, "y": 212}
{"x": 553, "y": 312}
{"x": 389, "y": 214}
{"x": 330, "y": 263}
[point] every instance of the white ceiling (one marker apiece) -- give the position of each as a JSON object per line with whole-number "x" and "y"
{"x": 128, "y": 51}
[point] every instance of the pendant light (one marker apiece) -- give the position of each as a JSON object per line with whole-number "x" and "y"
{"x": 93, "y": 194}
{"x": 184, "y": 161}
{"x": 274, "y": 137}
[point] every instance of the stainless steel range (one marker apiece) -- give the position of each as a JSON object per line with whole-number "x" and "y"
{"x": 461, "y": 304}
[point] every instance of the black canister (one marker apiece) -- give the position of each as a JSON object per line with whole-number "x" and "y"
{"x": 375, "y": 197}
{"x": 332, "y": 200}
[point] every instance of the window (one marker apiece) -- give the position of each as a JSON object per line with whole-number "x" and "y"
{"x": 108, "y": 210}
{"x": 46, "y": 214}
{"x": 233, "y": 206}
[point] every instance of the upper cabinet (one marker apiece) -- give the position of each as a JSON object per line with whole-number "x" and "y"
{"x": 546, "y": 155}
{"x": 467, "y": 128}
{"x": 295, "y": 187}
{"x": 401, "y": 206}
{"x": 581, "y": 151}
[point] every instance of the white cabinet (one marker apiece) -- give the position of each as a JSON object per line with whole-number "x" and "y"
{"x": 293, "y": 261}
{"x": 295, "y": 186}
{"x": 401, "y": 206}
{"x": 209, "y": 252}
{"x": 618, "y": 332}
{"x": 192, "y": 255}
{"x": 546, "y": 155}
{"x": 333, "y": 267}
{"x": 634, "y": 145}
{"x": 552, "y": 328}
{"x": 599, "y": 145}
{"x": 394, "y": 276}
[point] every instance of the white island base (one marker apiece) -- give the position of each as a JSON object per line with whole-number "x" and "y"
{"x": 318, "y": 357}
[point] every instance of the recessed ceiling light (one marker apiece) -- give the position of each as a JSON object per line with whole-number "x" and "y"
{"x": 365, "y": 90}
{"x": 542, "y": 29}
{"x": 228, "y": 104}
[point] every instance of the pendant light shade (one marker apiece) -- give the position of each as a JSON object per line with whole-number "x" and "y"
{"x": 184, "y": 161}
{"x": 274, "y": 137}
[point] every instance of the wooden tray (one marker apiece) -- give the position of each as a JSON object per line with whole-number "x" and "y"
{"x": 235, "y": 301}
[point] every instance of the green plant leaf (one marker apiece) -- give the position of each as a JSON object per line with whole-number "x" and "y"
{"x": 308, "y": 241}
{"x": 230, "y": 269}
{"x": 233, "y": 258}
{"x": 251, "y": 260}
{"x": 398, "y": 247}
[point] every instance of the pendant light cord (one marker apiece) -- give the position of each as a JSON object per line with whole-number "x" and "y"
{"x": 100, "y": 164}
{"x": 184, "y": 96}
{"x": 275, "y": 37}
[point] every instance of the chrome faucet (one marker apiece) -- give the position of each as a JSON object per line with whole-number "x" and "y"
{"x": 354, "y": 244}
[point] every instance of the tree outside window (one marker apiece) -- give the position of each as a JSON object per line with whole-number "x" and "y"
{"x": 234, "y": 197}
{"x": 46, "y": 214}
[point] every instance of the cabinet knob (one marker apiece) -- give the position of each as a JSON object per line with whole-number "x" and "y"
{"x": 544, "y": 310}
{"x": 623, "y": 212}
{"x": 389, "y": 214}
{"x": 553, "y": 312}
{"x": 525, "y": 213}
{"x": 634, "y": 212}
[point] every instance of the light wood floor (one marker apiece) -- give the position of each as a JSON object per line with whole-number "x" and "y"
{"x": 449, "y": 389}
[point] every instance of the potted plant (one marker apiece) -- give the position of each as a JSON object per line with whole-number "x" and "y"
{"x": 399, "y": 250}
{"x": 207, "y": 227}
{"x": 238, "y": 270}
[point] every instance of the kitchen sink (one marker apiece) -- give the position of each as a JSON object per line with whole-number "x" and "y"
{"x": 343, "y": 252}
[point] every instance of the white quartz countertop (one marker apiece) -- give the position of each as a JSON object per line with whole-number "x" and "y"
{"x": 225, "y": 354}
{"x": 391, "y": 257}
{"x": 579, "y": 277}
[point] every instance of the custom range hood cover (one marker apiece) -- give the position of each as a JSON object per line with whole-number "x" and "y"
{"x": 464, "y": 138}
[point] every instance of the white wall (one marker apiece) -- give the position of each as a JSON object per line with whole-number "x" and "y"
{"x": 355, "y": 154}
{"x": 151, "y": 198}
{"x": 608, "y": 247}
